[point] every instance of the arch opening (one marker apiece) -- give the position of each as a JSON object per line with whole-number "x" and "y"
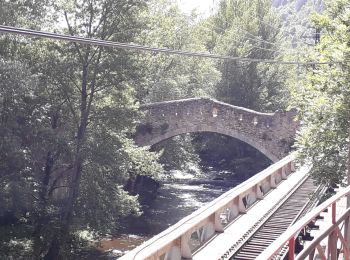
{"x": 257, "y": 144}
{"x": 186, "y": 190}
{"x": 214, "y": 151}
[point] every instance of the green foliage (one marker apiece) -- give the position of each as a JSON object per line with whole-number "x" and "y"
{"x": 177, "y": 153}
{"x": 176, "y": 77}
{"x": 242, "y": 29}
{"x": 323, "y": 101}
{"x": 227, "y": 153}
{"x": 19, "y": 118}
{"x": 66, "y": 113}
{"x": 19, "y": 13}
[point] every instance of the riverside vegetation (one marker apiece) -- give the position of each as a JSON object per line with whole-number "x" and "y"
{"x": 68, "y": 111}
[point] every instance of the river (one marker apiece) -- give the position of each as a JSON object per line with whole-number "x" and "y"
{"x": 176, "y": 199}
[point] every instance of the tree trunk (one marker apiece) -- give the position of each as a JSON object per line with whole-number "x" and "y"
{"x": 42, "y": 217}
{"x": 60, "y": 240}
{"x": 54, "y": 250}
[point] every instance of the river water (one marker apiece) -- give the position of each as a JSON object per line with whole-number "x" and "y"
{"x": 176, "y": 199}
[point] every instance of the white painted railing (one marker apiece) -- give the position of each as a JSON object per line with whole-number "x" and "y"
{"x": 332, "y": 232}
{"x": 177, "y": 241}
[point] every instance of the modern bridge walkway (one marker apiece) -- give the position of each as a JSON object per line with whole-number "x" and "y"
{"x": 211, "y": 231}
{"x": 236, "y": 234}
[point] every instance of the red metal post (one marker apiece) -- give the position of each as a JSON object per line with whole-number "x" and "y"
{"x": 347, "y": 228}
{"x": 332, "y": 242}
{"x": 332, "y": 246}
{"x": 343, "y": 242}
{"x": 291, "y": 245}
{"x": 312, "y": 254}
{"x": 334, "y": 212}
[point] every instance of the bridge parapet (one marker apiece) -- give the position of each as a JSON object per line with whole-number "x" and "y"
{"x": 176, "y": 242}
{"x": 270, "y": 133}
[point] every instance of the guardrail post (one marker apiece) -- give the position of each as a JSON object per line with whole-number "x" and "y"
{"x": 332, "y": 239}
{"x": 347, "y": 221}
{"x": 217, "y": 222}
{"x": 241, "y": 206}
{"x": 288, "y": 169}
{"x": 291, "y": 245}
{"x": 173, "y": 254}
{"x": 332, "y": 246}
{"x": 347, "y": 232}
{"x": 284, "y": 174}
{"x": 278, "y": 176}
{"x": 292, "y": 166}
{"x": 272, "y": 181}
{"x": 334, "y": 212}
{"x": 233, "y": 210}
{"x": 259, "y": 194}
{"x": 343, "y": 243}
{"x": 312, "y": 254}
{"x": 185, "y": 247}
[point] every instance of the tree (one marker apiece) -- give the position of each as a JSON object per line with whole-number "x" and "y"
{"x": 178, "y": 153}
{"x": 96, "y": 84}
{"x": 248, "y": 29}
{"x": 323, "y": 101}
{"x": 243, "y": 29}
{"x": 176, "y": 77}
{"x": 70, "y": 140}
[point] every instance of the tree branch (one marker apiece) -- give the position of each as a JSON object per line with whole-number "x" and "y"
{"x": 59, "y": 176}
{"x": 93, "y": 81}
{"x": 71, "y": 33}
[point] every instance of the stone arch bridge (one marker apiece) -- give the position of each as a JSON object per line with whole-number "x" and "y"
{"x": 270, "y": 133}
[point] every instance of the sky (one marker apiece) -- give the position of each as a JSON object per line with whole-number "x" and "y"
{"x": 203, "y": 6}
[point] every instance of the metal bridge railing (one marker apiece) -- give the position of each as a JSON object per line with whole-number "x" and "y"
{"x": 201, "y": 225}
{"x": 332, "y": 232}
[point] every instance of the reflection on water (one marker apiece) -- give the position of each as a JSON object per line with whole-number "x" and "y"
{"x": 175, "y": 201}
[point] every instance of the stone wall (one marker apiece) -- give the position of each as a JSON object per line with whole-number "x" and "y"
{"x": 270, "y": 133}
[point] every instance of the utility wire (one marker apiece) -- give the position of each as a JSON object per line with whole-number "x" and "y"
{"x": 256, "y": 38}
{"x": 91, "y": 41}
{"x": 262, "y": 21}
{"x": 256, "y": 47}
{"x": 268, "y": 24}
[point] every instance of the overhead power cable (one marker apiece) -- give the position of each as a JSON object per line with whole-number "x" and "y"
{"x": 252, "y": 36}
{"x": 256, "y": 38}
{"x": 257, "y": 17}
{"x": 259, "y": 40}
{"x": 131, "y": 46}
{"x": 256, "y": 47}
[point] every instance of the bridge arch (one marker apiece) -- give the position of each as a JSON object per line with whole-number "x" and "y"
{"x": 232, "y": 134}
{"x": 270, "y": 133}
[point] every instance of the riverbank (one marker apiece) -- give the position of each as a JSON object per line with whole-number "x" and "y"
{"x": 176, "y": 199}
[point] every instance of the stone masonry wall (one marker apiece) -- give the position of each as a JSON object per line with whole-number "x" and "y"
{"x": 270, "y": 133}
